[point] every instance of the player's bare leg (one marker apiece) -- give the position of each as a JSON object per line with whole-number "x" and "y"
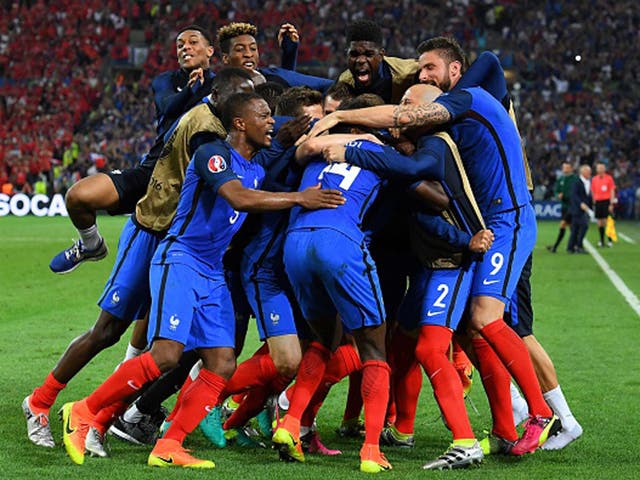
{"x": 548, "y": 378}
{"x": 83, "y": 199}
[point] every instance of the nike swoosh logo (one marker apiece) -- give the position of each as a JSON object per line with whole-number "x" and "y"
{"x": 207, "y": 409}
{"x": 166, "y": 460}
{"x": 67, "y": 426}
{"x": 133, "y": 385}
{"x": 433, "y": 314}
{"x": 489, "y": 282}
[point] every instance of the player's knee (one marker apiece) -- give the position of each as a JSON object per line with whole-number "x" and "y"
{"x": 221, "y": 361}
{"x": 105, "y": 335}
{"x": 76, "y": 197}
{"x": 287, "y": 365}
{"x": 166, "y": 357}
{"x": 430, "y": 356}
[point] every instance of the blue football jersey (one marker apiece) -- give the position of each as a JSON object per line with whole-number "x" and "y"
{"x": 282, "y": 175}
{"x": 359, "y": 187}
{"x": 485, "y": 72}
{"x": 490, "y": 148}
{"x": 205, "y": 222}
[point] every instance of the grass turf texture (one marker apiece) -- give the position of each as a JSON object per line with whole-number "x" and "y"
{"x": 583, "y": 322}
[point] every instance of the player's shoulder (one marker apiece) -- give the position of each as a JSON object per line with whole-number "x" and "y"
{"x": 216, "y": 156}
{"x": 435, "y": 144}
{"x": 163, "y": 78}
{"x": 402, "y": 66}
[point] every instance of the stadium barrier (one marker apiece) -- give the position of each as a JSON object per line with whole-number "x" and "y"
{"x": 547, "y": 210}
{"x": 39, "y": 205}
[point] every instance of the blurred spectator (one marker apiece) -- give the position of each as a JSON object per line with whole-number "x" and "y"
{"x": 61, "y": 92}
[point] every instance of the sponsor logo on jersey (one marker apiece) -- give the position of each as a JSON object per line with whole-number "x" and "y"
{"x": 217, "y": 164}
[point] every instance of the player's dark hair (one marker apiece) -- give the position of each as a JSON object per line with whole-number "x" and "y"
{"x": 197, "y": 28}
{"x": 293, "y": 99}
{"x": 339, "y": 91}
{"x": 233, "y": 30}
{"x": 364, "y": 31}
{"x": 447, "y": 48}
{"x": 234, "y": 107}
{"x": 271, "y": 92}
{"x": 223, "y": 82}
{"x": 361, "y": 101}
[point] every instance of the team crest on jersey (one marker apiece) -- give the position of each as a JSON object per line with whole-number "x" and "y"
{"x": 217, "y": 164}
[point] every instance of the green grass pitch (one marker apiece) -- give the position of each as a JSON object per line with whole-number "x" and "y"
{"x": 584, "y": 323}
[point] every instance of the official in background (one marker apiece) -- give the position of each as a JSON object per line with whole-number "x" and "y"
{"x": 580, "y": 210}
{"x": 604, "y": 195}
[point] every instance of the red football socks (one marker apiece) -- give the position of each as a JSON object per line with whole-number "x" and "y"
{"x": 312, "y": 367}
{"x": 197, "y": 401}
{"x": 432, "y": 350}
{"x": 250, "y": 406}
{"x": 342, "y": 362}
{"x": 515, "y": 356}
{"x": 185, "y": 386}
{"x": 496, "y": 380}
{"x": 107, "y": 416}
{"x": 45, "y": 395}
{"x": 375, "y": 397}
{"x": 126, "y": 380}
{"x": 353, "y": 406}
{"x": 256, "y": 371}
{"x": 406, "y": 380}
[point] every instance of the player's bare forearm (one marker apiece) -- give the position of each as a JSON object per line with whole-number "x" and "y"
{"x": 315, "y": 145}
{"x": 432, "y": 194}
{"x": 420, "y": 115}
{"x": 255, "y": 201}
{"x": 374, "y": 117}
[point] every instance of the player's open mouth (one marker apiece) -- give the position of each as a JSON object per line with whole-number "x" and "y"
{"x": 363, "y": 77}
{"x": 187, "y": 56}
{"x": 250, "y": 65}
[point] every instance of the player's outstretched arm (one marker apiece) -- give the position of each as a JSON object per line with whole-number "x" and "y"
{"x": 288, "y": 40}
{"x": 385, "y": 116}
{"x": 387, "y": 161}
{"x": 316, "y": 145}
{"x": 247, "y": 200}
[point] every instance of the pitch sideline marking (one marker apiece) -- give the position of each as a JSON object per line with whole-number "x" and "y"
{"x": 626, "y": 238}
{"x": 628, "y": 295}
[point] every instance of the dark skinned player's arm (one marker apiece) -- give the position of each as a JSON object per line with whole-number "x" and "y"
{"x": 431, "y": 194}
{"x": 248, "y": 200}
{"x": 314, "y": 146}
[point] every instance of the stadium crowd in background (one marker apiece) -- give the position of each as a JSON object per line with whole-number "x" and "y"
{"x": 62, "y": 88}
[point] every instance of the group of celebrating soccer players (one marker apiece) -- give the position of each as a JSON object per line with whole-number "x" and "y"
{"x": 394, "y": 233}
